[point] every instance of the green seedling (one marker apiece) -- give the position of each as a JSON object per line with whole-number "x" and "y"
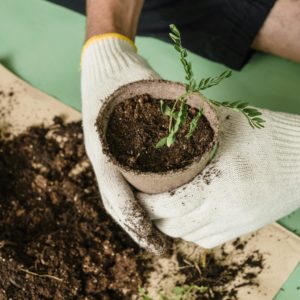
{"x": 179, "y": 292}
{"x": 143, "y": 295}
{"x": 178, "y": 113}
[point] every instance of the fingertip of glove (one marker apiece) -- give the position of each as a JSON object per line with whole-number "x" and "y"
{"x": 159, "y": 244}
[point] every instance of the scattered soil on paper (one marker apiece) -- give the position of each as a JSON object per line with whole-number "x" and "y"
{"x": 57, "y": 241}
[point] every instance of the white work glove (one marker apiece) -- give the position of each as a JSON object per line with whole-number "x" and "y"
{"x": 108, "y": 62}
{"x": 253, "y": 180}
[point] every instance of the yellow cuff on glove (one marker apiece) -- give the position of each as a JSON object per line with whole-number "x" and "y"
{"x": 107, "y": 36}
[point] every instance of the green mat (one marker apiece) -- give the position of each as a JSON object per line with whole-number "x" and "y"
{"x": 41, "y": 43}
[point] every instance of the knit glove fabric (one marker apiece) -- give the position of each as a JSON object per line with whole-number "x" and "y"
{"x": 108, "y": 62}
{"x": 253, "y": 180}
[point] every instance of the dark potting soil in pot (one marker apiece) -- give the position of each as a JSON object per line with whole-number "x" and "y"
{"x": 58, "y": 242}
{"x": 137, "y": 124}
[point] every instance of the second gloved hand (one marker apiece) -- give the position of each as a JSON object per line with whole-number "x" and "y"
{"x": 253, "y": 180}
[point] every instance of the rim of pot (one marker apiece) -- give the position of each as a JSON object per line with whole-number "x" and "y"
{"x": 108, "y": 106}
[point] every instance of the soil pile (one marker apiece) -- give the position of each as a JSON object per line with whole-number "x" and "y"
{"x": 57, "y": 242}
{"x": 52, "y": 223}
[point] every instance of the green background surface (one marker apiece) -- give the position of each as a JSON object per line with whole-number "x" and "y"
{"x": 41, "y": 43}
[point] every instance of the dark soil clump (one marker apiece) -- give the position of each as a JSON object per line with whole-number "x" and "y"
{"x": 137, "y": 124}
{"x": 52, "y": 223}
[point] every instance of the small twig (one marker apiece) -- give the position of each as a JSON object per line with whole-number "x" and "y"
{"x": 185, "y": 267}
{"x": 14, "y": 283}
{"x": 188, "y": 262}
{"x": 197, "y": 268}
{"x": 40, "y": 275}
{"x": 4, "y": 243}
{"x": 204, "y": 259}
{"x": 211, "y": 293}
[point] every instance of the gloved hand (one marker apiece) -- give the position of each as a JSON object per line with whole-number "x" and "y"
{"x": 253, "y": 180}
{"x": 108, "y": 62}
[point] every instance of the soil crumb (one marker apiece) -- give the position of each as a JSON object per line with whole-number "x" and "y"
{"x": 137, "y": 124}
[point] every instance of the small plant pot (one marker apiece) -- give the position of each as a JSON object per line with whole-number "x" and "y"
{"x": 151, "y": 182}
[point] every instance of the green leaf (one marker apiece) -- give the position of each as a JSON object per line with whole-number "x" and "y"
{"x": 258, "y": 125}
{"x": 161, "y": 143}
{"x": 175, "y": 115}
{"x": 184, "y": 62}
{"x": 165, "y": 109}
{"x": 226, "y": 74}
{"x": 215, "y": 102}
{"x": 207, "y": 80}
{"x": 194, "y": 123}
{"x": 143, "y": 294}
{"x": 259, "y": 120}
{"x": 174, "y": 37}
{"x": 162, "y": 297}
{"x": 252, "y": 112}
{"x": 201, "y": 83}
{"x": 193, "y": 84}
{"x": 212, "y": 81}
{"x": 170, "y": 139}
{"x": 225, "y": 103}
{"x": 242, "y": 105}
{"x": 178, "y": 290}
{"x": 174, "y": 29}
{"x": 177, "y": 48}
{"x": 201, "y": 289}
{"x": 181, "y": 118}
{"x": 235, "y": 104}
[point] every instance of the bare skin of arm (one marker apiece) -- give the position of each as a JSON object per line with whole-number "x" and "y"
{"x": 107, "y": 16}
{"x": 280, "y": 34}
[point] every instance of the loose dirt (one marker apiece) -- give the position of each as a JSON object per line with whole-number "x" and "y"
{"x": 57, "y": 241}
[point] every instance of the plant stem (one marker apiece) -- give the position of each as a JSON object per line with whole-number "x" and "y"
{"x": 183, "y": 97}
{"x": 191, "y": 86}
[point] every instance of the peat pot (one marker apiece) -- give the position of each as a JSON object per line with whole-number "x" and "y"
{"x": 150, "y": 182}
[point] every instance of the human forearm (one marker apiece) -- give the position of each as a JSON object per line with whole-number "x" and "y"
{"x": 280, "y": 33}
{"x": 107, "y": 16}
